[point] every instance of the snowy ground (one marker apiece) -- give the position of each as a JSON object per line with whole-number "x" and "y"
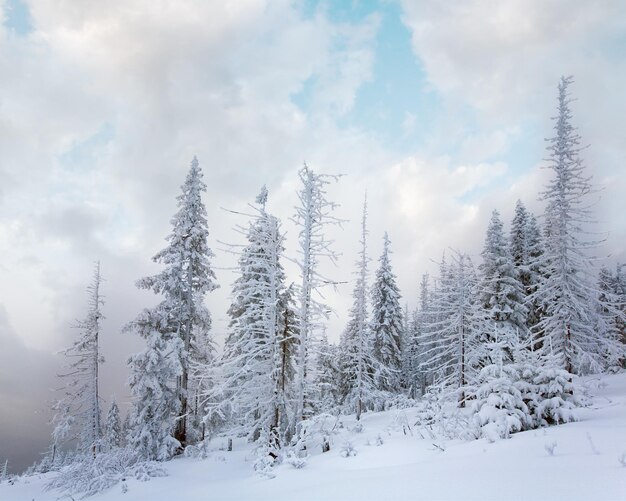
{"x": 585, "y": 465}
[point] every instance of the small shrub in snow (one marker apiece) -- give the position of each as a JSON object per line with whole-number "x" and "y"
{"x": 315, "y": 432}
{"x": 358, "y": 428}
{"x": 397, "y": 401}
{"x": 429, "y": 408}
{"x": 549, "y": 447}
{"x": 379, "y": 440}
{"x": 622, "y": 459}
{"x": 348, "y": 450}
{"x": 401, "y": 421}
{"x": 199, "y": 450}
{"x": 87, "y": 476}
{"x": 264, "y": 462}
{"x": 295, "y": 461}
{"x": 263, "y": 466}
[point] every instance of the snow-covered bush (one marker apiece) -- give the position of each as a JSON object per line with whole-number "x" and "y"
{"x": 551, "y": 393}
{"x": 429, "y": 408}
{"x": 439, "y": 417}
{"x": 294, "y": 460}
{"x": 348, "y": 450}
{"x": 397, "y": 401}
{"x": 87, "y": 476}
{"x": 315, "y": 432}
{"x": 265, "y": 461}
{"x": 199, "y": 450}
{"x": 401, "y": 421}
{"x": 499, "y": 408}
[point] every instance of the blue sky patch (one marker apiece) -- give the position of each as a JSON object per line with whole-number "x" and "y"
{"x": 17, "y": 17}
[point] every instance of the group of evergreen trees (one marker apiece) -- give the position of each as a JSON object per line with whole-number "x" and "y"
{"x": 505, "y": 338}
{"x": 508, "y": 337}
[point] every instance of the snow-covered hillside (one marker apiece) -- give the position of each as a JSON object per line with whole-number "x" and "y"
{"x": 585, "y": 460}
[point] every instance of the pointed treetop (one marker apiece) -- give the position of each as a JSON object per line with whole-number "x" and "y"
{"x": 364, "y": 220}
{"x": 386, "y": 243}
{"x": 563, "y": 85}
{"x": 261, "y": 198}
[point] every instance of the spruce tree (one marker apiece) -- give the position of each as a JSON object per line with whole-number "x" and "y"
{"x": 620, "y": 292}
{"x": 422, "y": 319}
{"x": 411, "y": 373}
{"x": 526, "y": 243}
{"x": 449, "y": 343}
{"x": 610, "y": 318}
{"x": 498, "y": 403}
{"x": 153, "y": 376}
{"x": 357, "y": 362}
{"x": 387, "y": 324}
{"x": 502, "y": 293}
{"x": 78, "y": 411}
{"x": 183, "y": 284}
{"x": 257, "y": 361}
{"x": 113, "y": 428}
{"x": 328, "y": 374}
{"x": 566, "y": 292}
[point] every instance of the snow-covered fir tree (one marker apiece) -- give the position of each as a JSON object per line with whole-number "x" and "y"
{"x": 387, "y": 324}
{"x": 619, "y": 284}
{"x": 502, "y": 293}
{"x": 328, "y": 374}
{"x": 610, "y": 317}
{"x": 78, "y": 410}
{"x": 358, "y": 364}
{"x": 451, "y": 330}
{"x": 288, "y": 341}
{"x": 313, "y": 215}
{"x": 112, "y": 437}
{"x": 419, "y": 324}
{"x": 566, "y": 292}
{"x": 405, "y": 343}
{"x": 550, "y": 393}
{"x": 154, "y": 374}
{"x": 526, "y": 243}
{"x": 411, "y": 373}
{"x": 126, "y": 428}
{"x": 497, "y": 402}
{"x": 184, "y": 282}
{"x": 257, "y": 361}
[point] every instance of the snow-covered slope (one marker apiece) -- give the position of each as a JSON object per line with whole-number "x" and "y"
{"x": 584, "y": 464}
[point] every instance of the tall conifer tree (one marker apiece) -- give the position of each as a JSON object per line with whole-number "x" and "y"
{"x": 183, "y": 284}
{"x": 387, "y": 324}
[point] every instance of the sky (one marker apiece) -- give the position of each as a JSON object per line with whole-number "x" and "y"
{"x": 438, "y": 110}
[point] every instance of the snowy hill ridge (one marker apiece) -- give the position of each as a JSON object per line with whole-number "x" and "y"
{"x": 389, "y": 460}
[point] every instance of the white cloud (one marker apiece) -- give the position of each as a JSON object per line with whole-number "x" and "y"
{"x": 501, "y": 57}
{"x": 502, "y": 61}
